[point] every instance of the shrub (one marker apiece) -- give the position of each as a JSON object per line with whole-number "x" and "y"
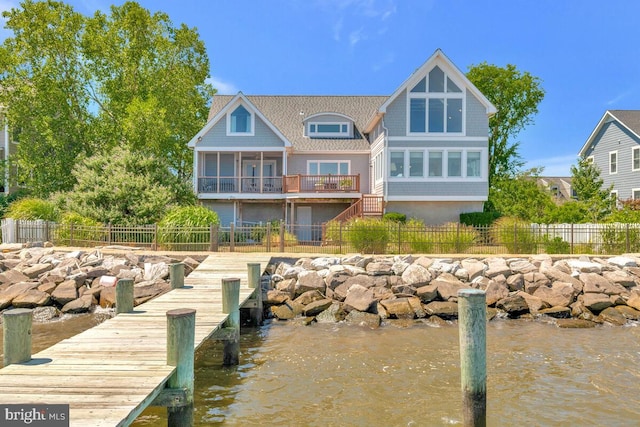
{"x": 457, "y": 237}
{"x": 367, "y": 235}
{"x": 289, "y": 239}
{"x": 417, "y": 235}
{"x": 614, "y": 238}
{"x": 395, "y": 217}
{"x": 32, "y": 209}
{"x": 74, "y": 229}
{"x": 479, "y": 218}
{"x": 332, "y": 231}
{"x": 515, "y": 234}
{"x": 556, "y": 245}
{"x": 186, "y": 224}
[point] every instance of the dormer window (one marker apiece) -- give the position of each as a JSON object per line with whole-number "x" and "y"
{"x": 329, "y": 130}
{"x": 435, "y": 105}
{"x": 240, "y": 122}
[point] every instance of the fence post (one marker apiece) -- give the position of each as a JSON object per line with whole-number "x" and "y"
{"x": 232, "y": 237}
{"x": 472, "y": 321}
{"x": 399, "y": 240}
{"x": 340, "y": 236}
{"x": 155, "y": 237}
{"x": 109, "y": 234}
{"x": 572, "y": 239}
{"x": 71, "y": 234}
{"x": 16, "y": 332}
{"x": 628, "y": 240}
{"x": 255, "y": 283}
{"x": 281, "y": 237}
{"x": 124, "y": 296}
{"x": 176, "y": 275}
{"x": 269, "y": 237}
{"x": 46, "y": 232}
{"x": 515, "y": 237}
{"x": 458, "y": 237}
{"x": 231, "y": 306}
{"x": 181, "y": 325}
{"x": 18, "y": 231}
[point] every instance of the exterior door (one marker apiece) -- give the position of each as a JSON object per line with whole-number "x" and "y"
{"x": 303, "y": 223}
{"x": 251, "y": 179}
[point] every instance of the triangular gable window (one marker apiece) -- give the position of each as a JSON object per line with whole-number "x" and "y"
{"x": 240, "y": 120}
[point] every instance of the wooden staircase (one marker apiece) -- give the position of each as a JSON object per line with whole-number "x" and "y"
{"x": 368, "y": 206}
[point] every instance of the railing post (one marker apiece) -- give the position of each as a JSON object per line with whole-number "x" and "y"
{"x": 472, "y": 321}
{"x": 155, "y": 237}
{"x": 124, "y": 296}
{"x": 255, "y": 283}
{"x": 628, "y": 240}
{"x": 268, "y": 237}
{"x": 458, "y": 237}
{"x": 515, "y": 237}
{"x": 282, "y": 237}
{"x": 572, "y": 238}
{"x": 109, "y": 234}
{"x": 71, "y": 234}
{"x": 231, "y": 306}
{"x": 340, "y": 236}
{"x": 176, "y": 275}
{"x": 16, "y": 333}
{"x": 399, "y": 239}
{"x": 181, "y": 325}
{"x": 232, "y": 238}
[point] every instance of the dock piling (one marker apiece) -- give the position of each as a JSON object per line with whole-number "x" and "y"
{"x": 472, "y": 321}
{"x": 124, "y": 296}
{"x": 254, "y": 283}
{"x": 176, "y": 275}
{"x": 16, "y": 330}
{"x": 181, "y": 324}
{"x": 231, "y": 306}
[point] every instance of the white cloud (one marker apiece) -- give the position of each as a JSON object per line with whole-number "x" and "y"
{"x": 554, "y": 166}
{"x": 358, "y": 13}
{"x": 222, "y": 86}
{"x": 619, "y": 97}
{"x": 356, "y": 36}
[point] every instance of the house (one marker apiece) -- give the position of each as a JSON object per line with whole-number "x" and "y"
{"x": 422, "y": 151}
{"x": 614, "y": 146}
{"x": 559, "y": 187}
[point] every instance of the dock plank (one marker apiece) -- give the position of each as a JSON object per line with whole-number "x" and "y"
{"x": 111, "y": 372}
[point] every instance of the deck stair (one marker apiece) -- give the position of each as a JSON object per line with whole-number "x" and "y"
{"x": 368, "y": 206}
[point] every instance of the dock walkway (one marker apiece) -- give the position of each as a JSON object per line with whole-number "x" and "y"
{"x": 111, "y": 372}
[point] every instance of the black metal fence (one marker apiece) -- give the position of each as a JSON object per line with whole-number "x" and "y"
{"x": 337, "y": 238}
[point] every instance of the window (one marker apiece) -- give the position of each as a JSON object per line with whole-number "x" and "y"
{"x": 473, "y": 164}
{"x": 396, "y": 165}
{"x": 416, "y": 164}
{"x": 635, "y": 194}
{"x": 613, "y": 162}
{"x": 331, "y": 130}
{"x": 635, "y": 158}
{"x": 454, "y": 163}
{"x": 614, "y": 199}
{"x": 436, "y": 105}
{"x": 328, "y": 167}
{"x": 435, "y": 163}
{"x": 240, "y": 121}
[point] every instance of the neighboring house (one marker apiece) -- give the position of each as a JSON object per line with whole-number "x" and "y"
{"x": 559, "y": 187}
{"x": 422, "y": 151}
{"x": 614, "y": 146}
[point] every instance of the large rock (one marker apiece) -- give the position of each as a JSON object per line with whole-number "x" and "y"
{"x": 613, "y": 316}
{"x": 634, "y": 299}
{"x": 535, "y": 304}
{"x": 555, "y": 274}
{"x": 448, "y": 286}
{"x": 309, "y": 297}
{"x": 80, "y": 305}
{"x": 622, "y": 261}
{"x": 416, "y": 275}
{"x": 108, "y": 298}
{"x": 559, "y": 294}
{"x": 497, "y": 266}
{"x": 324, "y": 263}
{"x": 495, "y": 291}
{"x": 310, "y": 281}
{"x": 557, "y": 312}
{"x": 380, "y": 267}
{"x": 287, "y": 311}
{"x": 45, "y": 314}
{"x": 316, "y": 307}
{"x": 515, "y": 282}
{"x": 274, "y": 296}
{"x": 335, "y": 279}
{"x": 65, "y": 292}
{"x": 142, "y": 294}
{"x": 32, "y": 272}
{"x": 7, "y": 295}
{"x": 594, "y": 283}
{"x": 334, "y": 313}
{"x": 534, "y": 280}
{"x": 628, "y": 312}
{"x": 584, "y": 266}
{"x": 514, "y": 305}
{"x": 13, "y": 277}
{"x": 474, "y": 268}
{"x": 366, "y": 281}
{"x": 522, "y": 267}
{"x": 620, "y": 277}
{"x": 360, "y": 318}
{"x": 31, "y": 299}
{"x": 400, "y": 308}
{"x": 596, "y": 302}
{"x": 427, "y": 293}
{"x": 443, "y": 309}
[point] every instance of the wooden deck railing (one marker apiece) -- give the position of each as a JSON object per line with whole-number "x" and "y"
{"x": 322, "y": 183}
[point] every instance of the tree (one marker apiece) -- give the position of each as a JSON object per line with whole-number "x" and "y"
{"x": 520, "y": 196}
{"x": 516, "y": 96}
{"x": 77, "y": 85}
{"x": 124, "y": 188}
{"x": 588, "y": 186}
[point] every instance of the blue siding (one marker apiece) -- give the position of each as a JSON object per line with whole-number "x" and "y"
{"x": 477, "y": 120}
{"x": 395, "y": 118}
{"x": 263, "y": 136}
{"x": 438, "y": 188}
{"x": 438, "y": 144}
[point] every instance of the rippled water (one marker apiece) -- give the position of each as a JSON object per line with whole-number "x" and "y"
{"x": 341, "y": 375}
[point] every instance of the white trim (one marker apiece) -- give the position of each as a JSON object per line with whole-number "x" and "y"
{"x": 238, "y": 149}
{"x": 252, "y": 124}
{"x": 316, "y": 134}
{"x": 445, "y": 164}
{"x": 341, "y": 195}
{"x": 633, "y": 190}
{"x": 331, "y": 153}
{"x": 436, "y": 199}
{"x": 439, "y": 137}
{"x": 635, "y": 150}
{"x": 607, "y": 117}
{"x": 610, "y": 163}
{"x": 240, "y": 196}
{"x": 337, "y": 161}
{"x": 328, "y": 113}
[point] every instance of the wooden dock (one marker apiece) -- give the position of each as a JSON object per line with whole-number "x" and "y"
{"x": 109, "y": 374}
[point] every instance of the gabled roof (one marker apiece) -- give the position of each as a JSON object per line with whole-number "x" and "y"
{"x": 629, "y": 119}
{"x": 286, "y": 113}
{"x": 562, "y": 184}
{"x": 438, "y": 58}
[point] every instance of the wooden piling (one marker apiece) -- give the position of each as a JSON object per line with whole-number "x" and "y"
{"x": 231, "y": 306}
{"x": 181, "y": 324}
{"x": 16, "y": 330}
{"x": 176, "y": 275}
{"x": 124, "y": 296}
{"x": 253, "y": 276}
{"x": 472, "y": 321}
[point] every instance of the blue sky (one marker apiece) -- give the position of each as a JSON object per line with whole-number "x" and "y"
{"x": 586, "y": 52}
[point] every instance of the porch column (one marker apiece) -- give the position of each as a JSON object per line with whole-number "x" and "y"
{"x": 261, "y": 172}
{"x": 239, "y": 173}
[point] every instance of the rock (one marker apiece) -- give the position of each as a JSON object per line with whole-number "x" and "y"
{"x": 367, "y": 281}
{"x": 274, "y": 296}
{"x": 620, "y": 277}
{"x": 93, "y": 272}
{"x": 613, "y": 316}
{"x": 142, "y": 294}
{"x": 533, "y": 281}
{"x": 399, "y": 266}
{"x": 444, "y": 265}
{"x": 622, "y": 261}
{"x": 108, "y": 298}
{"x": 12, "y": 291}
{"x": 108, "y": 281}
{"x": 557, "y": 312}
{"x": 535, "y": 304}
{"x": 316, "y": 307}
{"x": 287, "y": 311}
{"x": 628, "y": 312}
{"x": 416, "y": 275}
{"x": 334, "y": 313}
{"x": 559, "y": 294}
{"x": 13, "y": 277}
{"x": 594, "y": 283}
{"x": 381, "y": 292}
{"x": 584, "y": 266}
{"x": 159, "y": 271}
{"x": 404, "y": 290}
{"x": 514, "y": 306}
{"x": 324, "y": 263}
{"x": 443, "y": 309}
{"x": 416, "y": 304}
{"x": 190, "y": 264}
{"x": 36, "y": 270}
{"x": 78, "y": 277}
{"x": 45, "y": 314}
{"x": 292, "y": 272}
{"x": 309, "y": 297}
{"x": 335, "y": 279}
{"x": 370, "y": 320}
{"x": 496, "y": 291}
{"x": 496, "y": 266}
{"x": 474, "y": 268}
{"x": 423, "y": 261}
{"x": 448, "y": 286}
{"x": 575, "y": 323}
{"x": 48, "y": 287}
{"x": 380, "y": 267}
{"x": 521, "y": 266}
{"x": 596, "y": 302}
{"x": 556, "y": 275}
{"x": 80, "y": 305}
{"x": 515, "y": 282}
{"x": 65, "y": 292}
{"x": 427, "y": 293}
{"x": 30, "y": 299}
{"x": 400, "y": 308}
{"x": 310, "y": 281}
{"x": 633, "y": 301}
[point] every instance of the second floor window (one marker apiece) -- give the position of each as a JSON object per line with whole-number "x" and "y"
{"x": 436, "y": 105}
{"x": 329, "y": 130}
{"x": 613, "y": 162}
{"x": 240, "y": 121}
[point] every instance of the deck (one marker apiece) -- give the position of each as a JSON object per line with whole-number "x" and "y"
{"x": 110, "y": 373}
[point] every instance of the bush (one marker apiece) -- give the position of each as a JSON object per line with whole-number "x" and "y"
{"x": 367, "y": 235}
{"x": 479, "y": 218}
{"x": 417, "y": 235}
{"x": 395, "y": 217}
{"x": 74, "y": 229}
{"x": 556, "y": 245}
{"x": 615, "y": 236}
{"x": 187, "y": 224}
{"x": 32, "y": 209}
{"x": 332, "y": 231}
{"x": 515, "y": 234}
{"x": 289, "y": 239}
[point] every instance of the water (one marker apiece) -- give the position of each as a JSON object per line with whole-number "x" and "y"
{"x": 341, "y": 375}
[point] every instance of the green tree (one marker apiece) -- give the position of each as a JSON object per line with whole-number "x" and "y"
{"x": 520, "y": 196}
{"x": 516, "y": 96}
{"x": 125, "y": 188}
{"x": 588, "y": 186}
{"x": 77, "y": 85}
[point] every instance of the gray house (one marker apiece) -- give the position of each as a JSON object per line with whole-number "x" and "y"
{"x": 422, "y": 151}
{"x": 614, "y": 146}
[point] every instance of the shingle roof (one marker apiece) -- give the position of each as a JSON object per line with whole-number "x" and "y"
{"x": 287, "y": 112}
{"x": 630, "y": 118}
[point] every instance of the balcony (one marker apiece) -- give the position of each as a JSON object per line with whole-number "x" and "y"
{"x": 280, "y": 185}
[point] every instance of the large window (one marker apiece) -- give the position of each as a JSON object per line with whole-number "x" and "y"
{"x": 454, "y": 163}
{"x": 328, "y": 167}
{"x": 635, "y": 158}
{"x": 329, "y": 130}
{"x": 435, "y": 105}
{"x": 416, "y": 164}
{"x": 474, "y": 163}
{"x": 435, "y": 163}
{"x": 397, "y": 164}
{"x": 613, "y": 162}
{"x": 240, "y": 121}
